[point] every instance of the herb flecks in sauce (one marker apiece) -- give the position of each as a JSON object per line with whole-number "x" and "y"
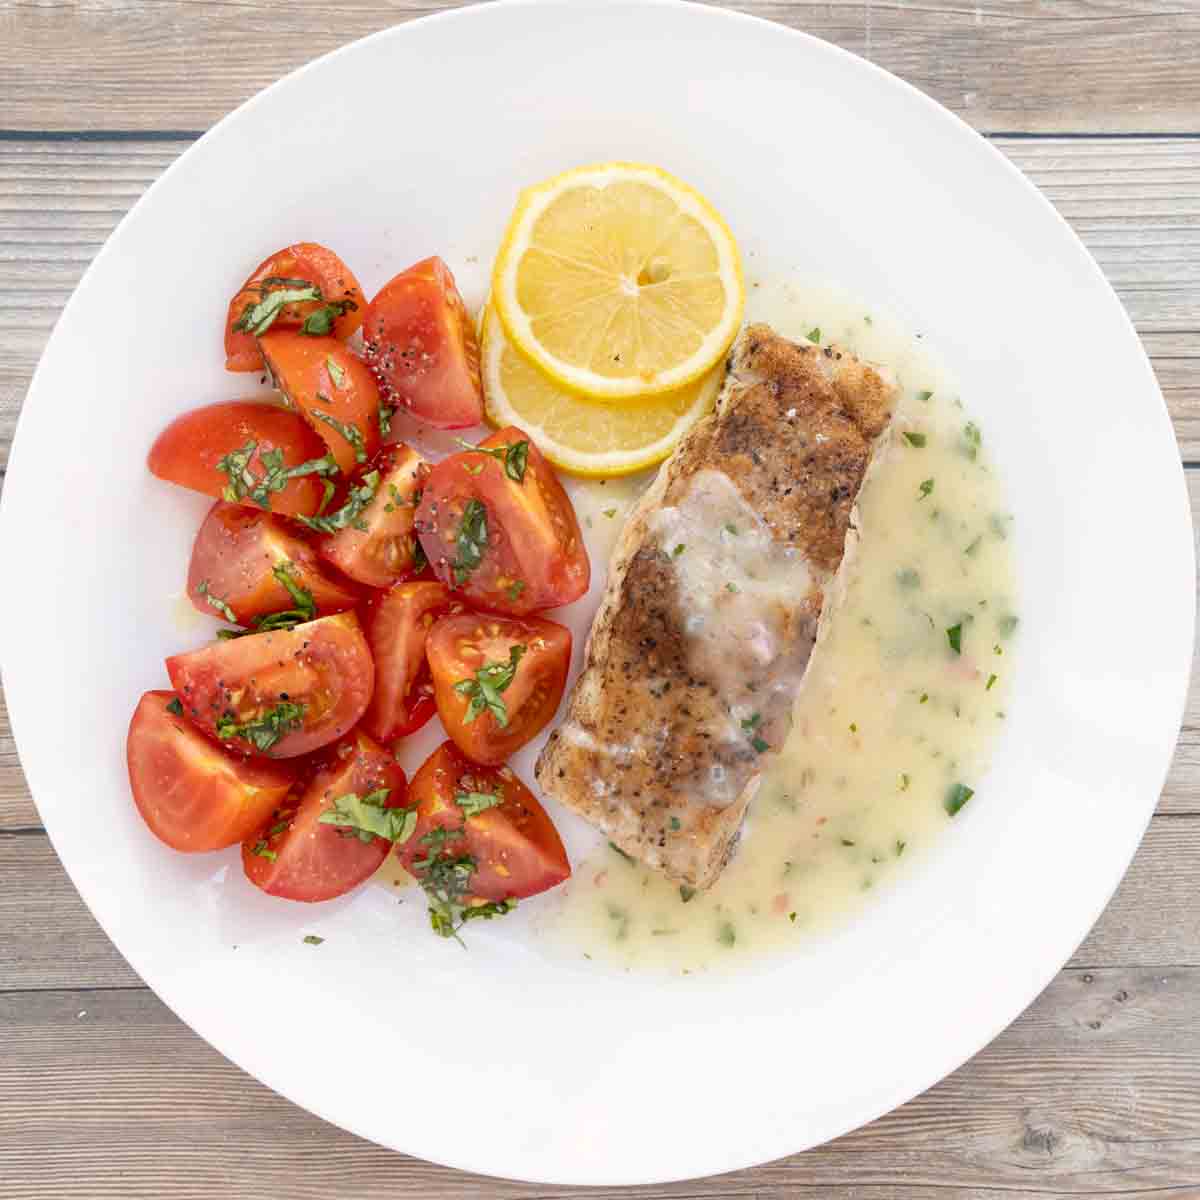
{"x": 886, "y": 665}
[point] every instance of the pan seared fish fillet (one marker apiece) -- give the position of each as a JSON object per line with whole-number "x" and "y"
{"x": 713, "y": 601}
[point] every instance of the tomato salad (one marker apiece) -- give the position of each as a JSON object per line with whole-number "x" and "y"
{"x": 366, "y": 590}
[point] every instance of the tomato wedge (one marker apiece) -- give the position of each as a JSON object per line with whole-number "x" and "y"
{"x": 421, "y": 344}
{"x": 332, "y": 390}
{"x": 243, "y": 563}
{"x": 485, "y": 822}
{"x": 497, "y": 525}
{"x": 337, "y": 308}
{"x": 258, "y": 455}
{"x": 278, "y": 694}
{"x": 191, "y": 794}
{"x": 299, "y": 856}
{"x": 397, "y": 627}
{"x": 381, "y": 548}
{"x": 497, "y": 681}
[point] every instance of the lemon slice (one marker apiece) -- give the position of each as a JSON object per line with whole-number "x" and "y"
{"x": 618, "y": 280}
{"x": 586, "y": 437}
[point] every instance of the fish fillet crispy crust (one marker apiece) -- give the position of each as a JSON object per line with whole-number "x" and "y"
{"x": 689, "y": 677}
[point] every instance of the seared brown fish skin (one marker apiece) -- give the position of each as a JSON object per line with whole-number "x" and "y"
{"x": 693, "y": 663}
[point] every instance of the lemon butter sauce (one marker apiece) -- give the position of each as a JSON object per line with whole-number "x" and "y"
{"x": 896, "y": 716}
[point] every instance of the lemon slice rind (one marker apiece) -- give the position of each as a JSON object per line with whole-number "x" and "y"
{"x": 686, "y": 406}
{"x": 519, "y": 326}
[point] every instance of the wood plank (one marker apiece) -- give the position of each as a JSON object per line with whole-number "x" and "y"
{"x": 52, "y": 941}
{"x": 183, "y": 64}
{"x": 1136, "y": 203}
{"x": 1094, "y": 1091}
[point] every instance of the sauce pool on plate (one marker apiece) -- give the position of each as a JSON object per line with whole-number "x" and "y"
{"x": 897, "y": 715}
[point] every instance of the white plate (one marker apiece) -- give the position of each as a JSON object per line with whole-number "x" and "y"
{"x": 497, "y": 1060}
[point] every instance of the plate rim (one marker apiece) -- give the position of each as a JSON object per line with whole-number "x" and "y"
{"x": 890, "y": 1097}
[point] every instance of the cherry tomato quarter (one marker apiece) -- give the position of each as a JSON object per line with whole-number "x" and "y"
{"x": 420, "y": 342}
{"x": 246, "y": 565}
{"x": 381, "y": 547}
{"x": 337, "y": 306}
{"x": 488, "y": 816}
{"x": 331, "y": 389}
{"x": 498, "y": 527}
{"x": 498, "y": 681}
{"x": 327, "y": 841}
{"x": 258, "y": 455}
{"x": 191, "y": 793}
{"x": 278, "y": 694}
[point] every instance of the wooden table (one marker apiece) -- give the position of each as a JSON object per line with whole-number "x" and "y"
{"x": 1094, "y": 1091}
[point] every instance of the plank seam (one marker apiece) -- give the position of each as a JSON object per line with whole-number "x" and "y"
{"x": 181, "y": 135}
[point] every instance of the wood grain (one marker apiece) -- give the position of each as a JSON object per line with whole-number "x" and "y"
{"x": 1135, "y": 203}
{"x": 1094, "y": 1091}
{"x": 182, "y": 65}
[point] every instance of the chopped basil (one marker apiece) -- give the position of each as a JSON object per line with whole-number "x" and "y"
{"x": 515, "y": 589}
{"x": 686, "y": 892}
{"x": 610, "y": 513}
{"x": 260, "y": 849}
{"x": 471, "y": 542}
{"x": 900, "y": 847}
{"x": 924, "y": 697}
{"x": 366, "y": 818}
{"x": 731, "y": 528}
{"x": 924, "y": 397}
{"x": 245, "y": 485}
{"x": 954, "y": 637}
{"x": 915, "y": 439}
{"x": 760, "y": 745}
{"x": 306, "y": 607}
{"x": 473, "y": 468}
{"x": 336, "y": 372}
{"x": 319, "y": 322}
{"x": 264, "y": 730}
{"x": 474, "y": 803}
{"x": 311, "y": 939}
{"x": 386, "y": 413}
{"x": 991, "y": 682}
{"x": 752, "y": 722}
{"x": 258, "y": 318}
{"x": 216, "y": 602}
{"x": 732, "y": 587}
{"x": 956, "y": 797}
{"x": 926, "y": 488}
{"x": 350, "y": 512}
{"x": 351, "y": 433}
{"x": 848, "y": 842}
{"x": 175, "y": 707}
{"x": 905, "y": 780}
{"x": 484, "y": 690}
{"x": 419, "y": 559}
{"x": 446, "y": 880}
{"x": 814, "y": 335}
{"x": 679, "y": 549}
{"x": 514, "y": 456}
{"x": 675, "y": 825}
